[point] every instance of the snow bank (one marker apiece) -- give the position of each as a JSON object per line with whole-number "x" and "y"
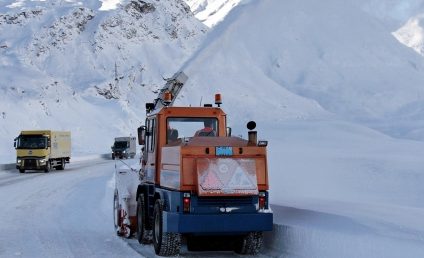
{"x": 339, "y": 161}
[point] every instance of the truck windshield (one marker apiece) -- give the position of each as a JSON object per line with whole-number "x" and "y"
{"x": 120, "y": 145}
{"x": 31, "y": 142}
{"x": 191, "y": 127}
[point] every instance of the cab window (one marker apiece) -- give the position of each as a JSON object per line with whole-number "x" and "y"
{"x": 151, "y": 135}
{"x": 180, "y": 127}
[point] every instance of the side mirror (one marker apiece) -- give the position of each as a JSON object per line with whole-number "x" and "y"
{"x": 14, "y": 144}
{"x": 228, "y": 131}
{"x": 149, "y": 107}
{"x": 48, "y": 143}
{"x": 141, "y": 132}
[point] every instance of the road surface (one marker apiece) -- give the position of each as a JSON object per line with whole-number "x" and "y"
{"x": 69, "y": 214}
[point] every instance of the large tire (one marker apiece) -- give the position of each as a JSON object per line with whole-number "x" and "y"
{"x": 249, "y": 244}
{"x": 62, "y": 165}
{"x": 165, "y": 243}
{"x": 48, "y": 167}
{"x": 21, "y": 170}
{"x": 143, "y": 234}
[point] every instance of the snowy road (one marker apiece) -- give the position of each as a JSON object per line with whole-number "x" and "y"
{"x": 60, "y": 214}
{"x": 68, "y": 214}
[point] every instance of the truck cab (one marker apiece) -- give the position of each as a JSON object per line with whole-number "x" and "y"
{"x": 196, "y": 180}
{"x": 124, "y": 147}
{"x": 42, "y": 150}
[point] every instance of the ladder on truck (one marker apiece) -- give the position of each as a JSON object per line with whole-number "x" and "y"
{"x": 173, "y": 85}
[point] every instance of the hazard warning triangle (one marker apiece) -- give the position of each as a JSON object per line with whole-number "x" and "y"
{"x": 210, "y": 181}
{"x": 240, "y": 180}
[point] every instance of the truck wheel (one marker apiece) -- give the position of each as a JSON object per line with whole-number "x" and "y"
{"x": 48, "y": 167}
{"x": 116, "y": 212}
{"x": 62, "y": 165}
{"x": 165, "y": 243}
{"x": 143, "y": 235}
{"x": 21, "y": 170}
{"x": 249, "y": 244}
{"x": 113, "y": 156}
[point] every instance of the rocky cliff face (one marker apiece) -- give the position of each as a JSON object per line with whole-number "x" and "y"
{"x": 74, "y": 58}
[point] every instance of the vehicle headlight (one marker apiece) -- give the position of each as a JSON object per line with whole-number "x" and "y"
{"x": 18, "y": 161}
{"x": 42, "y": 161}
{"x": 124, "y": 151}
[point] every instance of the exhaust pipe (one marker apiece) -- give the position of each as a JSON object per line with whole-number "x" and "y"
{"x": 253, "y": 138}
{"x": 253, "y": 135}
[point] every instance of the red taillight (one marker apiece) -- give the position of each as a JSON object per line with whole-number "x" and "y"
{"x": 262, "y": 200}
{"x": 186, "y": 202}
{"x": 261, "y": 203}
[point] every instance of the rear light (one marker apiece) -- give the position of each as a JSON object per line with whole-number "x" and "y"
{"x": 262, "y": 201}
{"x": 186, "y": 202}
{"x": 218, "y": 99}
{"x": 167, "y": 98}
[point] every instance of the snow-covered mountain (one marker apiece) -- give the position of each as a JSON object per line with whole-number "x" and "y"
{"x": 211, "y": 12}
{"x": 68, "y": 65}
{"x": 338, "y": 54}
{"x": 412, "y": 33}
{"x": 320, "y": 78}
{"x": 404, "y": 18}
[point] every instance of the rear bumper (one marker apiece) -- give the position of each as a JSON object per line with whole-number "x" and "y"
{"x": 217, "y": 223}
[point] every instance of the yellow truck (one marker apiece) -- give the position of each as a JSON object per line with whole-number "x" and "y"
{"x": 42, "y": 150}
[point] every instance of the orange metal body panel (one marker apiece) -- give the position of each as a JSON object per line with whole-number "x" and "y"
{"x": 166, "y": 112}
{"x": 182, "y": 157}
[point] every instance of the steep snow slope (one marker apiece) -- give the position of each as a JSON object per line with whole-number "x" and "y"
{"x": 404, "y": 18}
{"x": 66, "y": 65}
{"x": 336, "y": 54}
{"x": 317, "y": 76}
{"x": 393, "y": 13}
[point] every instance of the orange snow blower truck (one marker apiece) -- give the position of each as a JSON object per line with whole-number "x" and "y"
{"x": 198, "y": 180}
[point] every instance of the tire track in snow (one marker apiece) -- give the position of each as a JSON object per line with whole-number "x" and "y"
{"x": 10, "y": 180}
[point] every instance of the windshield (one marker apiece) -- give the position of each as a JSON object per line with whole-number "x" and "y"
{"x": 120, "y": 145}
{"x": 31, "y": 142}
{"x": 191, "y": 127}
